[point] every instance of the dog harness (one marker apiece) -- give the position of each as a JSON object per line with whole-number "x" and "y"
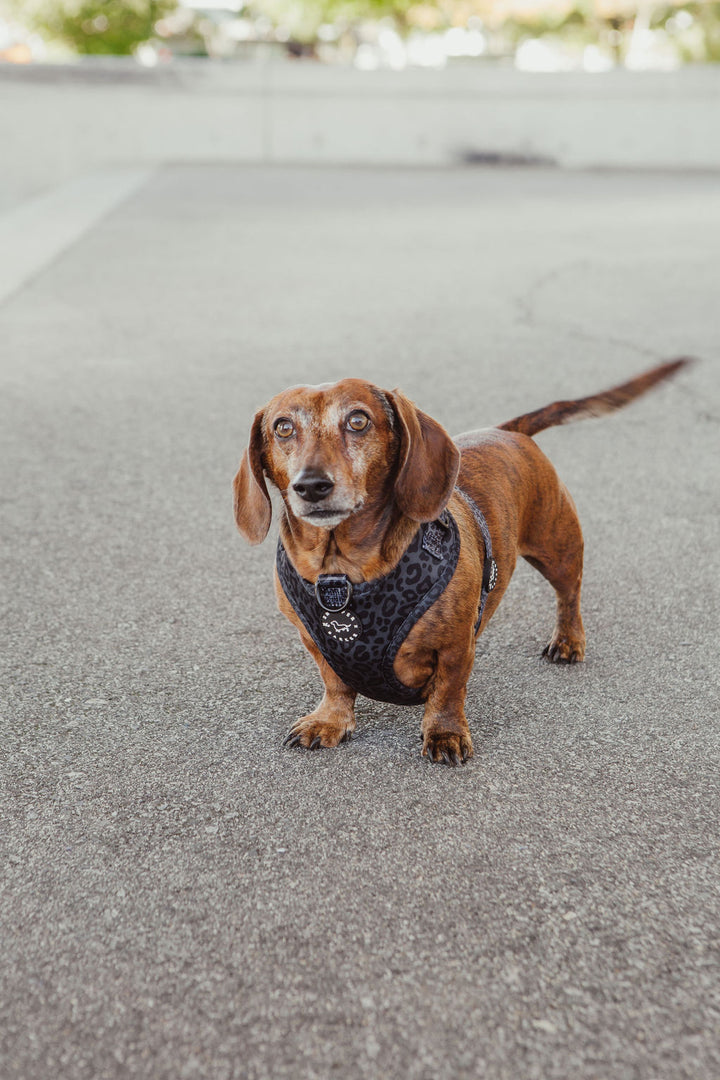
{"x": 360, "y": 628}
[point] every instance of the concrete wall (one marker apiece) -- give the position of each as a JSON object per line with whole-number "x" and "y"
{"x": 56, "y": 122}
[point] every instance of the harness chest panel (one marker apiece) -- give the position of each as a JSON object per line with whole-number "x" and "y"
{"x": 361, "y": 640}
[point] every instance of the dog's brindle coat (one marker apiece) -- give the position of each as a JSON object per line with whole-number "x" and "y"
{"x": 358, "y": 469}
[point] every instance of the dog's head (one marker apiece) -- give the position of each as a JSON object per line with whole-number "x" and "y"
{"x": 341, "y": 449}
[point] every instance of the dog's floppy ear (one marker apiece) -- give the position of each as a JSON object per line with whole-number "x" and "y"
{"x": 428, "y": 462}
{"x": 253, "y": 509}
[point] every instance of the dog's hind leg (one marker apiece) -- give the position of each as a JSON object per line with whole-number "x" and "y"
{"x": 554, "y": 546}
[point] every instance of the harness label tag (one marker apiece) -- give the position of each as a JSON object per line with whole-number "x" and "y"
{"x": 343, "y": 626}
{"x": 434, "y": 538}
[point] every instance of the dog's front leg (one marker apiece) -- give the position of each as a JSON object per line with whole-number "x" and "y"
{"x": 333, "y": 721}
{"x": 445, "y": 731}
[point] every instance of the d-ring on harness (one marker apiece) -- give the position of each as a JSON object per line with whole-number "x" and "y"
{"x": 360, "y": 628}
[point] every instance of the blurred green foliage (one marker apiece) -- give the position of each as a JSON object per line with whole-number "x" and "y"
{"x": 707, "y": 21}
{"x": 607, "y": 23}
{"x": 304, "y": 19}
{"x": 104, "y": 27}
{"x": 96, "y": 27}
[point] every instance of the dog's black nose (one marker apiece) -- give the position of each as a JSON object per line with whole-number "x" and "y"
{"x": 313, "y": 486}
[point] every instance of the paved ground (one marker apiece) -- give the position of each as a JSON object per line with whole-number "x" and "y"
{"x": 181, "y": 897}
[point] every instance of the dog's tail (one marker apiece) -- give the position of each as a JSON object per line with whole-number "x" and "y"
{"x": 565, "y": 412}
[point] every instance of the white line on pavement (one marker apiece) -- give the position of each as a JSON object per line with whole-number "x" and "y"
{"x": 37, "y": 231}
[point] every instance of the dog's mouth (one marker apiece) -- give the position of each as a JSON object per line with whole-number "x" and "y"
{"x": 322, "y": 515}
{"x": 326, "y": 517}
{"x": 325, "y": 514}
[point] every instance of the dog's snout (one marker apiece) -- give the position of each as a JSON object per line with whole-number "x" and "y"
{"x": 313, "y": 486}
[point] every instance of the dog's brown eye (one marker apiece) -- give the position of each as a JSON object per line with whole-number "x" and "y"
{"x": 284, "y": 428}
{"x": 358, "y": 421}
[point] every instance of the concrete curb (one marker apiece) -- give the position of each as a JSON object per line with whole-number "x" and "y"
{"x": 63, "y": 121}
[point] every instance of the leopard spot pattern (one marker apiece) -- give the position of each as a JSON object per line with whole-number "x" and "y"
{"x": 387, "y": 609}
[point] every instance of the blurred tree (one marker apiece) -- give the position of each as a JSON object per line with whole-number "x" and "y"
{"x": 707, "y": 19}
{"x": 304, "y": 19}
{"x": 96, "y": 27}
{"x": 689, "y": 27}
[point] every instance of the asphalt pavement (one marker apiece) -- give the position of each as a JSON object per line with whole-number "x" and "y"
{"x": 183, "y": 898}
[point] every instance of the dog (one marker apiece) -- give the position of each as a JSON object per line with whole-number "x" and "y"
{"x": 397, "y": 543}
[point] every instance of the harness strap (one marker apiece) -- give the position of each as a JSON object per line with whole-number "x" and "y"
{"x": 490, "y": 570}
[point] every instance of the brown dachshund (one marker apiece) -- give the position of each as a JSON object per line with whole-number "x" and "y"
{"x": 381, "y": 508}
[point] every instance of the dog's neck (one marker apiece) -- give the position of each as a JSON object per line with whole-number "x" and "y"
{"x": 364, "y": 546}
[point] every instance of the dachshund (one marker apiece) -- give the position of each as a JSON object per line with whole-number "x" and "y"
{"x": 389, "y": 526}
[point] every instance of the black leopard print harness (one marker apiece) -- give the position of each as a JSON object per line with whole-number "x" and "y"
{"x": 360, "y": 628}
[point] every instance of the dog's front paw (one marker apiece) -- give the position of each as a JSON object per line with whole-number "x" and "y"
{"x": 564, "y": 649}
{"x": 447, "y": 747}
{"x": 311, "y": 733}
